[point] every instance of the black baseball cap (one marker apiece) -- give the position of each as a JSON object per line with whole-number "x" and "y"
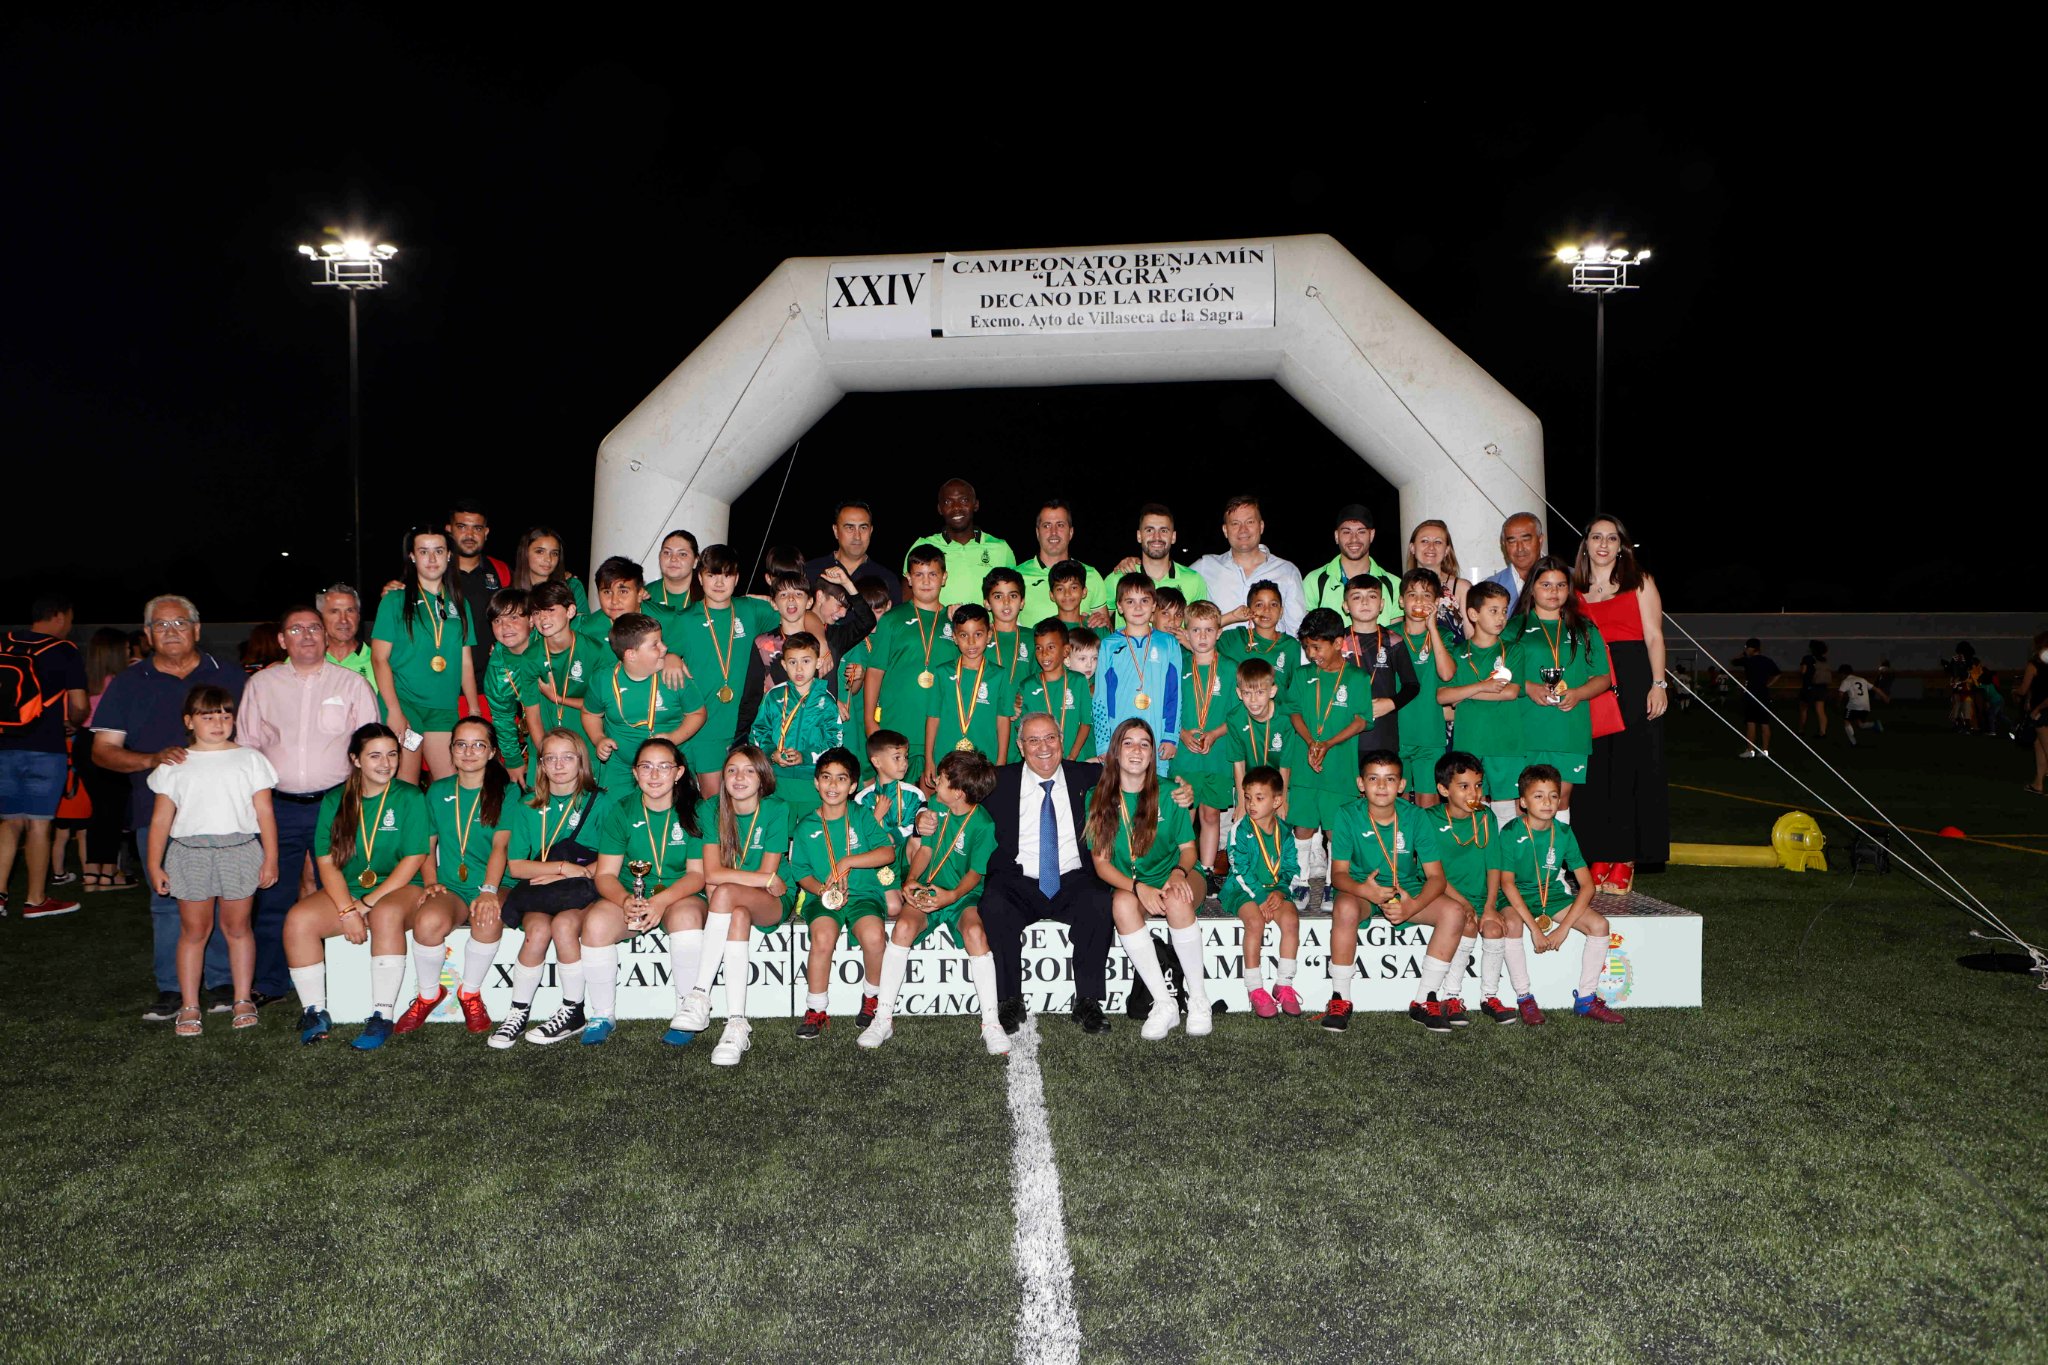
{"x": 1354, "y": 511}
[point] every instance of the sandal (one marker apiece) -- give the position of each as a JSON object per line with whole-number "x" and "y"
{"x": 246, "y": 1015}
{"x": 115, "y": 881}
{"x": 190, "y": 1021}
{"x": 92, "y": 881}
{"x": 2030, "y": 787}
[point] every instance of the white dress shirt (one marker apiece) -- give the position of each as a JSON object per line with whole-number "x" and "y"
{"x": 1230, "y": 585}
{"x": 1031, "y": 796}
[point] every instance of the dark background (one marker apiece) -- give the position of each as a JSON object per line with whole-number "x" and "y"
{"x": 1794, "y": 412}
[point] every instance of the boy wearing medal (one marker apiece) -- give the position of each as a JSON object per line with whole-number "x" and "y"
{"x": 1009, "y": 649}
{"x": 566, "y": 662}
{"x": 511, "y": 686}
{"x": 1394, "y": 845}
{"x": 910, "y": 644}
{"x": 631, "y": 703}
{"x": 1057, "y": 690}
{"x": 1485, "y": 701}
{"x": 1067, "y": 584}
{"x": 1262, "y": 638}
{"x": 715, "y": 634}
{"x": 943, "y": 888}
{"x": 620, "y": 586}
{"x": 797, "y": 721}
{"x": 1536, "y": 851}
{"x": 970, "y": 708}
{"x": 845, "y": 865}
{"x": 1383, "y": 659}
{"x": 1138, "y": 676}
{"x": 1208, "y": 691}
{"x": 1466, "y": 838}
{"x": 1330, "y": 704}
{"x": 1261, "y": 733}
{"x": 1262, "y": 867}
{"x": 1420, "y": 725}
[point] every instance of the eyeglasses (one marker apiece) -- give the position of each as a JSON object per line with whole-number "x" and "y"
{"x": 175, "y": 623}
{"x": 1042, "y": 742}
{"x": 305, "y": 630}
{"x": 470, "y": 746}
{"x": 654, "y": 769}
{"x": 557, "y": 760}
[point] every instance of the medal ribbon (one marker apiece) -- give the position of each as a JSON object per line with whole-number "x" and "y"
{"x": 660, "y": 850}
{"x": 1272, "y": 862}
{"x": 931, "y": 874}
{"x": 1543, "y": 879}
{"x": 788, "y": 715}
{"x": 437, "y": 618}
{"x": 1393, "y": 869}
{"x": 831, "y": 858}
{"x": 747, "y": 839}
{"x": 1556, "y": 646}
{"x": 462, "y": 831}
{"x": 561, "y": 687}
{"x": 917, "y": 619}
{"x": 1323, "y": 714}
{"x": 1481, "y": 837}
{"x": 547, "y": 840}
{"x": 1202, "y": 695}
{"x": 724, "y": 657}
{"x": 368, "y": 838}
{"x": 653, "y": 695}
{"x": 966, "y": 713}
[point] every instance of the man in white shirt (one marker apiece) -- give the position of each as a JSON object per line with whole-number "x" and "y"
{"x": 1229, "y": 576}
{"x": 299, "y": 714}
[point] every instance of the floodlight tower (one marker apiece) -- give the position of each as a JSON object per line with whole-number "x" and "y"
{"x": 352, "y": 265}
{"x": 1599, "y": 270}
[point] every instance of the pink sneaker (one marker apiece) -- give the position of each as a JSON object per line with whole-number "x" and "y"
{"x": 1262, "y": 1004}
{"x": 1290, "y": 1003}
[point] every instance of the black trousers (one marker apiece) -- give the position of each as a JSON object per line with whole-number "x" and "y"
{"x": 1012, "y": 901}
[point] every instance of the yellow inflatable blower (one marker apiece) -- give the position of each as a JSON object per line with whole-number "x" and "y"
{"x": 1796, "y": 845}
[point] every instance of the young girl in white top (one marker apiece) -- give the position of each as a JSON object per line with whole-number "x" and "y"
{"x": 212, "y": 838}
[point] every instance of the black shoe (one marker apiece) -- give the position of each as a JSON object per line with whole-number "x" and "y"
{"x": 869, "y": 1006}
{"x": 1337, "y": 1017}
{"x": 264, "y": 999}
{"x": 1430, "y": 1014}
{"x": 1011, "y": 1013}
{"x": 1088, "y": 1014}
{"x": 566, "y": 1022}
{"x": 217, "y": 999}
{"x": 165, "y": 1009}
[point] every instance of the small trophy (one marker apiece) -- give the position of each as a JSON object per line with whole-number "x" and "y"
{"x": 1555, "y": 677}
{"x": 639, "y": 867}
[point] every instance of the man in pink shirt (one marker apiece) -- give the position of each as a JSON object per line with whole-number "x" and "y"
{"x": 298, "y": 714}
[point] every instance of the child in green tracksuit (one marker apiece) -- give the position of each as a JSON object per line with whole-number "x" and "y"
{"x": 797, "y": 721}
{"x": 512, "y": 687}
{"x": 1262, "y": 867}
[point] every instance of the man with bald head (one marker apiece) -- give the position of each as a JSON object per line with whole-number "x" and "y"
{"x": 970, "y": 551}
{"x": 1521, "y": 545}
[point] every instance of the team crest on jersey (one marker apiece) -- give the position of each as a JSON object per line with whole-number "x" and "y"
{"x": 675, "y": 834}
{"x": 946, "y": 627}
{"x": 1343, "y": 695}
{"x": 576, "y": 671}
{"x": 390, "y": 819}
{"x": 1550, "y": 858}
{"x": 960, "y": 842}
{"x": 575, "y": 818}
{"x": 981, "y": 693}
{"x": 1400, "y": 842}
{"x": 852, "y": 838}
{"x": 1276, "y": 743}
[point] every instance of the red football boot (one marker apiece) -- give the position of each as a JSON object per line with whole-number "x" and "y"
{"x": 475, "y": 1017}
{"x": 416, "y": 1013}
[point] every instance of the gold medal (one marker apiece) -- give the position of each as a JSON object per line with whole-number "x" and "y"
{"x": 886, "y": 876}
{"x": 462, "y": 872}
{"x": 724, "y": 694}
{"x": 963, "y": 744}
{"x": 438, "y": 664}
{"x": 833, "y": 898}
{"x": 1143, "y": 701}
{"x": 926, "y": 679}
{"x": 367, "y": 880}
{"x": 1544, "y": 922}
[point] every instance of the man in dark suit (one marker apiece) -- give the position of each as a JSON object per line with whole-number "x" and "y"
{"x": 1041, "y": 870}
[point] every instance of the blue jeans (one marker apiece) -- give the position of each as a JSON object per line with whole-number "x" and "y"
{"x": 163, "y": 923}
{"x": 296, "y": 823}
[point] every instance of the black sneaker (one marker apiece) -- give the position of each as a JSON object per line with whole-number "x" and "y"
{"x": 264, "y": 999}
{"x": 217, "y": 999}
{"x": 1337, "y": 1017}
{"x": 870, "y": 1005}
{"x": 1430, "y": 1014}
{"x": 165, "y": 1009}
{"x": 565, "y": 1023}
{"x": 1492, "y": 1008}
{"x": 515, "y": 1022}
{"x": 815, "y": 1022}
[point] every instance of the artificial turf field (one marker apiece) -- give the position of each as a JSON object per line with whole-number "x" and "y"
{"x": 1841, "y": 1157}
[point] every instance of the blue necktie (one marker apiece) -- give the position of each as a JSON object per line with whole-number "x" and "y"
{"x": 1048, "y": 846}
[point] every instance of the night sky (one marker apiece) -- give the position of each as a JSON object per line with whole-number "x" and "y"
{"x": 1785, "y": 427}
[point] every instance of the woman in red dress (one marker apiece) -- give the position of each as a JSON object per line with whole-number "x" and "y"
{"x": 1621, "y": 814}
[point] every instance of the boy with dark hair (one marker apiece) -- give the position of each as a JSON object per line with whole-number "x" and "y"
{"x": 1262, "y": 867}
{"x": 796, "y": 723}
{"x": 619, "y": 582}
{"x": 1381, "y": 657}
{"x": 845, "y": 864}
{"x": 970, "y": 709}
{"x": 1082, "y": 647}
{"x": 1420, "y": 725}
{"x": 1261, "y": 639}
{"x": 1008, "y": 647}
{"x": 1055, "y": 689}
{"x": 1067, "y": 583}
{"x": 1330, "y": 704}
{"x": 630, "y": 705}
{"x": 1485, "y": 698}
{"x": 1394, "y": 844}
{"x": 911, "y": 644}
{"x": 1139, "y": 675}
{"x": 1536, "y": 852}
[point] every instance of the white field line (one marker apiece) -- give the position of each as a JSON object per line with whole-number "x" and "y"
{"x": 1047, "y": 1329}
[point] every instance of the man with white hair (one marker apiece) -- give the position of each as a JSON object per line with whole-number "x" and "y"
{"x": 1521, "y": 545}
{"x": 341, "y": 616}
{"x": 140, "y": 726}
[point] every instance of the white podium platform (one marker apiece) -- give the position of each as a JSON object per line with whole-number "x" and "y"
{"x": 1653, "y": 961}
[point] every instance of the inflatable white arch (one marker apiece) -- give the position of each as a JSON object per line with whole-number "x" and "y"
{"x": 1300, "y": 311}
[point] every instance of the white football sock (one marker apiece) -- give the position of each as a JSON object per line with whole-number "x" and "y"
{"x": 1461, "y": 961}
{"x": 1187, "y": 946}
{"x": 716, "y": 927}
{"x": 1518, "y": 965}
{"x": 570, "y": 974}
{"x": 601, "y": 977}
{"x": 1432, "y": 979}
{"x": 1504, "y": 811}
{"x": 1591, "y": 961}
{"x": 1564, "y": 817}
{"x": 1341, "y": 975}
{"x": 1489, "y": 966}
{"x": 816, "y": 1000}
{"x": 1305, "y": 855}
{"x": 476, "y": 964}
{"x": 736, "y": 970}
{"x": 525, "y": 981}
{"x": 685, "y": 947}
{"x": 1145, "y": 961}
{"x": 1286, "y": 972}
{"x": 311, "y": 984}
{"x": 982, "y": 972}
{"x": 387, "y": 974}
{"x": 426, "y": 969}
{"x": 895, "y": 958}
{"x": 1254, "y": 979}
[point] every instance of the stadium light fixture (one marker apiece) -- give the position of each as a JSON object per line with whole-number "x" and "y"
{"x": 1599, "y": 270}
{"x": 353, "y": 265}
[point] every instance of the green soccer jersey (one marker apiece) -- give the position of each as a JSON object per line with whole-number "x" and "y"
{"x": 462, "y": 840}
{"x": 1070, "y": 702}
{"x": 1485, "y": 729}
{"x": 961, "y": 844}
{"x": 1208, "y": 698}
{"x": 1010, "y": 654}
{"x": 440, "y": 629}
{"x": 595, "y": 631}
{"x": 756, "y": 833}
{"x": 539, "y": 833}
{"x": 1261, "y": 862}
{"x": 909, "y": 642}
{"x": 1326, "y": 703}
{"x": 389, "y": 826}
{"x": 905, "y": 800}
{"x": 1545, "y": 728}
{"x": 1421, "y": 722}
{"x": 818, "y": 843}
{"x": 1468, "y": 849}
{"x": 715, "y": 645}
{"x": 1038, "y": 603}
{"x": 1282, "y": 652}
{"x": 1271, "y": 741}
{"x": 1162, "y": 855}
{"x": 510, "y": 686}
{"x": 1395, "y": 850}
{"x": 966, "y": 564}
{"x": 1537, "y": 861}
{"x": 660, "y": 838}
{"x": 633, "y": 710}
{"x": 979, "y": 696}
{"x": 570, "y": 673}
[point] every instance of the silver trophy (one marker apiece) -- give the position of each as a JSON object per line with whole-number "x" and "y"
{"x": 639, "y": 867}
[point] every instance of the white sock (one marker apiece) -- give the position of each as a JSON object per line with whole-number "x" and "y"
{"x": 1489, "y": 966}
{"x": 1305, "y": 854}
{"x": 426, "y": 969}
{"x": 816, "y": 1000}
{"x": 1591, "y": 961}
{"x": 387, "y": 974}
{"x": 1432, "y": 979}
{"x": 1341, "y": 975}
{"x": 736, "y": 951}
{"x": 601, "y": 976}
{"x": 1461, "y": 961}
{"x": 982, "y": 972}
{"x": 1187, "y": 946}
{"x": 1518, "y": 966}
{"x": 311, "y": 984}
{"x": 1504, "y": 811}
{"x": 1254, "y": 979}
{"x": 895, "y": 958}
{"x": 868, "y": 987}
{"x": 716, "y": 927}
{"x": 570, "y": 974}
{"x": 525, "y": 981}
{"x": 685, "y": 948}
{"x": 476, "y": 964}
{"x": 1145, "y": 960}
{"x": 1564, "y": 817}
{"x": 1286, "y": 972}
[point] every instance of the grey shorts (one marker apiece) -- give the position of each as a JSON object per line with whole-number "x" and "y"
{"x": 210, "y": 865}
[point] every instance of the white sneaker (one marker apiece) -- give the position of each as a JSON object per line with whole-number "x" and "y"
{"x": 1747, "y": 753}
{"x": 877, "y": 1033}
{"x": 1297, "y": 891}
{"x": 694, "y": 1015}
{"x": 1201, "y": 1019}
{"x": 733, "y": 1043}
{"x": 994, "y": 1039}
{"x": 1165, "y": 1014}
